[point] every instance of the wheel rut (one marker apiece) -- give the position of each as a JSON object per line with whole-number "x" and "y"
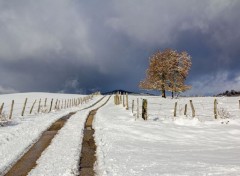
{"x": 28, "y": 161}
{"x": 88, "y": 157}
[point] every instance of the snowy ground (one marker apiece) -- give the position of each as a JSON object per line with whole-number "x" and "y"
{"x": 62, "y": 156}
{"x": 126, "y": 145}
{"x": 21, "y": 132}
{"x": 19, "y": 99}
{"x": 165, "y": 145}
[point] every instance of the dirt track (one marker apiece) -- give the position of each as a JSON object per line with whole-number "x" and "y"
{"x": 88, "y": 158}
{"x": 28, "y": 161}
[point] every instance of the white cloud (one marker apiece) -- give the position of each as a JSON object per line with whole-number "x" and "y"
{"x": 6, "y": 90}
{"x": 214, "y": 84}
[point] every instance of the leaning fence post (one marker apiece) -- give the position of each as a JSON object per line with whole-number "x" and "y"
{"x": 185, "y": 110}
{"x": 24, "y": 107}
{"x": 123, "y": 101}
{"x": 11, "y": 111}
{"x": 32, "y": 106}
{"x": 144, "y": 109}
{"x": 192, "y": 107}
{"x": 175, "y": 110}
{"x": 1, "y": 108}
{"x": 215, "y": 109}
{"x": 56, "y": 104}
{"x": 39, "y": 105}
{"x": 51, "y": 106}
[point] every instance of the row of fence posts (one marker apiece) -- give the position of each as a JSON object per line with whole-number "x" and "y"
{"x": 215, "y": 109}
{"x": 123, "y": 99}
{"x": 59, "y": 104}
{"x": 185, "y": 109}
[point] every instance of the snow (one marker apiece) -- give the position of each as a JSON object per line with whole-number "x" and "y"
{"x": 19, "y": 99}
{"x": 167, "y": 145}
{"x": 21, "y": 132}
{"x": 127, "y": 145}
{"x": 62, "y": 156}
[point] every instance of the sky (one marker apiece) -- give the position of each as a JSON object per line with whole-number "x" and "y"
{"x": 79, "y": 46}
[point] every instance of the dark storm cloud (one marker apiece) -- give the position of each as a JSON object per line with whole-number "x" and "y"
{"x": 79, "y": 46}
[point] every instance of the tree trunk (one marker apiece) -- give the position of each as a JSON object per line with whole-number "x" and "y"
{"x": 163, "y": 92}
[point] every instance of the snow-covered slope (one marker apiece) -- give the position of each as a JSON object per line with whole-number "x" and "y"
{"x": 21, "y": 132}
{"x": 126, "y": 145}
{"x": 165, "y": 145}
{"x": 19, "y": 99}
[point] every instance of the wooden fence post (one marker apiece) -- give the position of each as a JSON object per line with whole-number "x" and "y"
{"x": 185, "y": 110}
{"x": 24, "y": 107}
{"x": 132, "y": 106}
{"x": 51, "y": 106}
{"x": 120, "y": 98}
{"x": 144, "y": 109}
{"x": 215, "y": 108}
{"x": 62, "y": 104}
{"x": 45, "y": 103}
{"x": 32, "y": 106}
{"x": 175, "y": 110}
{"x": 123, "y": 101}
{"x": 56, "y": 104}
{"x": 59, "y": 102}
{"x": 137, "y": 108}
{"x": 11, "y": 111}
{"x": 127, "y": 107}
{"x": 39, "y": 105}
{"x": 1, "y": 108}
{"x": 192, "y": 107}
{"x": 239, "y": 104}
{"x": 115, "y": 100}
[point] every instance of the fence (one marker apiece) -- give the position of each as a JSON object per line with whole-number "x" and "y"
{"x": 42, "y": 105}
{"x": 203, "y": 108}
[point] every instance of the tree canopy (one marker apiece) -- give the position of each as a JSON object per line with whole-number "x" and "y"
{"x": 167, "y": 71}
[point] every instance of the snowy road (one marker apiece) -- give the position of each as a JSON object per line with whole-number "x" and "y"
{"x": 18, "y": 137}
{"x": 62, "y": 156}
{"x": 126, "y": 146}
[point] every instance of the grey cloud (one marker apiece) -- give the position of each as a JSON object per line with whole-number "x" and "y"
{"x": 73, "y": 46}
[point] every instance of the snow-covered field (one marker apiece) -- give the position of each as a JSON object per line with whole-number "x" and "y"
{"x": 21, "y": 132}
{"x": 126, "y": 145}
{"x": 19, "y": 99}
{"x": 165, "y": 145}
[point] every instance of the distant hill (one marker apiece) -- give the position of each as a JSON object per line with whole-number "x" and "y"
{"x": 124, "y": 91}
{"x": 229, "y": 93}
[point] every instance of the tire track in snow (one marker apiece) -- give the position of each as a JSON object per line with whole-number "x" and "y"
{"x": 88, "y": 158}
{"x": 28, "y": 161}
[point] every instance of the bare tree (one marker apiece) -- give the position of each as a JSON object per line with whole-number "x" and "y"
{"x": 167, "y": 71}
